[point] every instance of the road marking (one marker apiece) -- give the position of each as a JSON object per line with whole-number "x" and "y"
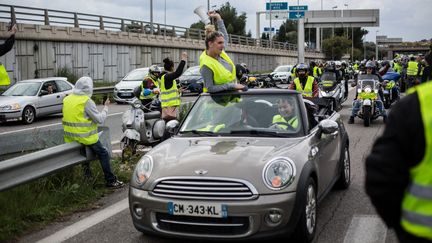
{"x": 366, "y": 229}
{"x": 86, "y": 223}
{"x": 54, "y": 124}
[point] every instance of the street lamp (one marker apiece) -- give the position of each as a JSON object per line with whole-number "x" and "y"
{"x": 333, "y": 24}
{"x": 376, "y": 45}
{"x": 151, "y": 17}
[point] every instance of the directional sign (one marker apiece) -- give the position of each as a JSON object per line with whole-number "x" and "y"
{"x": 277, "y": 15}
{"x": 267, "y": 29}
{"x": 300, "y": 8}
{"x": 296, "y": 15}
{"x": 277, "y": 6}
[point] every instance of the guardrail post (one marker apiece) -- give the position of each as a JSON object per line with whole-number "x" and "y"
{"x": 13, "y": 17}
{"x": 101, "y": 23}
{"x": 76, "y": 23}
{"x": 46, "y": 17}
{"x": 122, "y": 25}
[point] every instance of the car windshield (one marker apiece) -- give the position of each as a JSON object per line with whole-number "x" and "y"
{"x": 266, "y": 115}
{"x": 136, "y": 75}
{"x": 282, "y": 69}
{"x": 192, "y": 71}
{"x": 23, "y": 89}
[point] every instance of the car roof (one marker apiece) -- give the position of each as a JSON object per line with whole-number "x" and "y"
{"x": 40, "y": 80}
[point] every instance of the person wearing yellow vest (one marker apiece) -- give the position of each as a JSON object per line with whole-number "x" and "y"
{"x": 399, "y": 168}
{"x": 216, "y": 67}
{"x": 169, "y": 93}
{"x": 412, "y": 72}
{"x": 80, "y": 119}
{"x": 315, "y": 70}
{"x": 287, "y": 118}
{"x": 305, "y": 84}
{"x": 5, "y": 48}
{"x": 149, "y": 88}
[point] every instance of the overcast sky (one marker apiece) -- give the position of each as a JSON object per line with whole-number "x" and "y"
{"x": 409, "y": 19}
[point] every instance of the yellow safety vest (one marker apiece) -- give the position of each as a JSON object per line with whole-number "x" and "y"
{"x": 293, "y": 73}
{"x": 307, "y": 90}
{"x": 316, "y": 72}
{"x": 417, "y": 202}
{"x": 398, "y": 68}
{"x": 4, "y": 77}
{"x": 169, "y": 97}
{"x": 151, "y": 95}
{"x": 220, "y": 74}
{"x": 76, "y": 127}
{"x": 412, "y": 68}
{"x": 293, "y": 121}
{"x": 356, "y": 66}
{"x": 212, "y": 128}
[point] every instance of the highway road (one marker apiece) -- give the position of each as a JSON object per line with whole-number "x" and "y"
{"x": 343, "y": 216}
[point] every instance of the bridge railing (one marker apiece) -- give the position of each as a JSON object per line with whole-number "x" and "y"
{"x": 30, "y": 15}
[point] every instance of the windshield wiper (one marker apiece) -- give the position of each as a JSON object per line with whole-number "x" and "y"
{"x": 259, "y": 132}
{"x": 197, "y": 132}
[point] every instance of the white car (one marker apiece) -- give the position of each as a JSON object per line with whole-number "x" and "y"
{"x": 28, "y": 99}
{"x": 123, "y": 91}
{"x": 282, "y": 73}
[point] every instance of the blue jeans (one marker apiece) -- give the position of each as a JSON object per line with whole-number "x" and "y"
{"x": 104, "y": 159}
{"x": 357, "y": 105}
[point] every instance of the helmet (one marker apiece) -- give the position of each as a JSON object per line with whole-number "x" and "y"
{"x": 338, "y": 65}
{"x": 155, "y": 71}
{"x": 370, "y": 64}
{"x": 312, "y": 64}
{"x": 302, "y": 67}
{"x": 243, "y": 65}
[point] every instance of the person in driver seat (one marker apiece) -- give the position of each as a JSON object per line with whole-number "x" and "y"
{"x": 287, "y": 117}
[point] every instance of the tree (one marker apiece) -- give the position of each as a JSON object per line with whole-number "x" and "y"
{"x": 334, "y": 48}
{"x": 235, "y": 24}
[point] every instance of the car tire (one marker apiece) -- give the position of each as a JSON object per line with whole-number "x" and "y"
{"x": 306, "y": 226}
{"x": 345, "y": 170}
{"x": 28, "y": 115}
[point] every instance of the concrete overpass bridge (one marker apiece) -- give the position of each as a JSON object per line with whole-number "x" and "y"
{"x": 392, "y": 50}
{"x": 106, "y": 48}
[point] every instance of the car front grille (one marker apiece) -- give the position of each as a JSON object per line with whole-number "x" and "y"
{"x": 229, "y": 226}
{"x": 201, "y": 188}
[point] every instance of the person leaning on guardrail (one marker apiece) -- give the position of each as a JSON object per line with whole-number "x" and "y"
{"x": 80, "y": 119}
{"x": 216, "y": 67}
{"x": 5, "y": 48}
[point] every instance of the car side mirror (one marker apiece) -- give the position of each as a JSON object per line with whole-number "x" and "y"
{"x": 43, "y": 92}
{"x": 171, "y": 126}
{"x": 328, "y": 126}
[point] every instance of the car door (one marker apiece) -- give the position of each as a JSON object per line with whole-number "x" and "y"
{"x": 49, "y": 103}
{"x": 328, "y": 146}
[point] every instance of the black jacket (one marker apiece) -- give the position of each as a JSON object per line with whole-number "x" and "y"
{"x": 401, "y": 147}
{"x": 7, "y": 45}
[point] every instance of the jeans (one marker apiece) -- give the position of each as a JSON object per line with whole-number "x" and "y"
{"x": 104, "y": 159}
{"x": 357, "y": 105}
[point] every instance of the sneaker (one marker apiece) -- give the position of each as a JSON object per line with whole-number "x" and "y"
{"x": 115, "y": 184}
{"x": 351, "y": 120}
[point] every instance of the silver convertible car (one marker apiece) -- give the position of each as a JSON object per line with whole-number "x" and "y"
{"x": 33, "y": 98}
{"x": 242, "y": 165}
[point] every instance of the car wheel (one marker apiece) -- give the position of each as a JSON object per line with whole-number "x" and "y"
{"x": 28, "y": 115}
{"x": 345, "y": 171}
{"x": 306, "y": 227}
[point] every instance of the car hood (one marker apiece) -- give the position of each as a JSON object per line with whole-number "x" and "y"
{"x": 5, "y": 100}
{"x": 189, "y": 78}
{"x": 241, "y": 158}
{"x": 128, "y": 84}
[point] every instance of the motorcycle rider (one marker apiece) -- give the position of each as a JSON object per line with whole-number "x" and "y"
{"x": 149, "y": 88}
{"x": 307, "y": 85}
{"x": 412, "y": 72}
{"x": 370, "y": 69}
{"x": 315, "y": 70}
{"x": 241, "y": 70}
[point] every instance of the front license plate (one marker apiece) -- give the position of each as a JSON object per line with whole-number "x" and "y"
{"x": 198, "y": 209}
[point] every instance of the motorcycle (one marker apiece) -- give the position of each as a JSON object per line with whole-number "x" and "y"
{"x": 390, "y": 87}
{"x": 332, "y": 89}
{"x": 258, "y": 81}
{"x": 141, "y": 126}
{"x": 368, "y": 88}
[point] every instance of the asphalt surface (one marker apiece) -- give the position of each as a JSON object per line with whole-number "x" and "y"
{"x": 343, "y": 216}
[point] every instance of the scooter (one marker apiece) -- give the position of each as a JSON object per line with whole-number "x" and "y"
{"x": 332, "y": 89}
{"x": 141, "y": 126}
{"x": 367, "y": 92}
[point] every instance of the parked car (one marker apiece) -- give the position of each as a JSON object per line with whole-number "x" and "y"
{"x": 28, "y": 99}
{"x": 123, "y": 90}
{"x": 282, "y": 74}
{"x": 233, "y": 171}
{"x": 191, "y": 80}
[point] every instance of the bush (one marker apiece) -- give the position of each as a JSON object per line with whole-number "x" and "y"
{"x": 67, "y": 73}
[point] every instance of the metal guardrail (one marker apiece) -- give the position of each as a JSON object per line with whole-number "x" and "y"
{"x": 22, "y": 169}
{"x": 103, "y": 90}
{"x": 30, "y": 15}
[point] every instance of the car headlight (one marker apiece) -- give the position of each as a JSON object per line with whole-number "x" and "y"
{"x": 143, "y": 169}
{"x": 10, "y": 107}
{"x": 279, "y": 173}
